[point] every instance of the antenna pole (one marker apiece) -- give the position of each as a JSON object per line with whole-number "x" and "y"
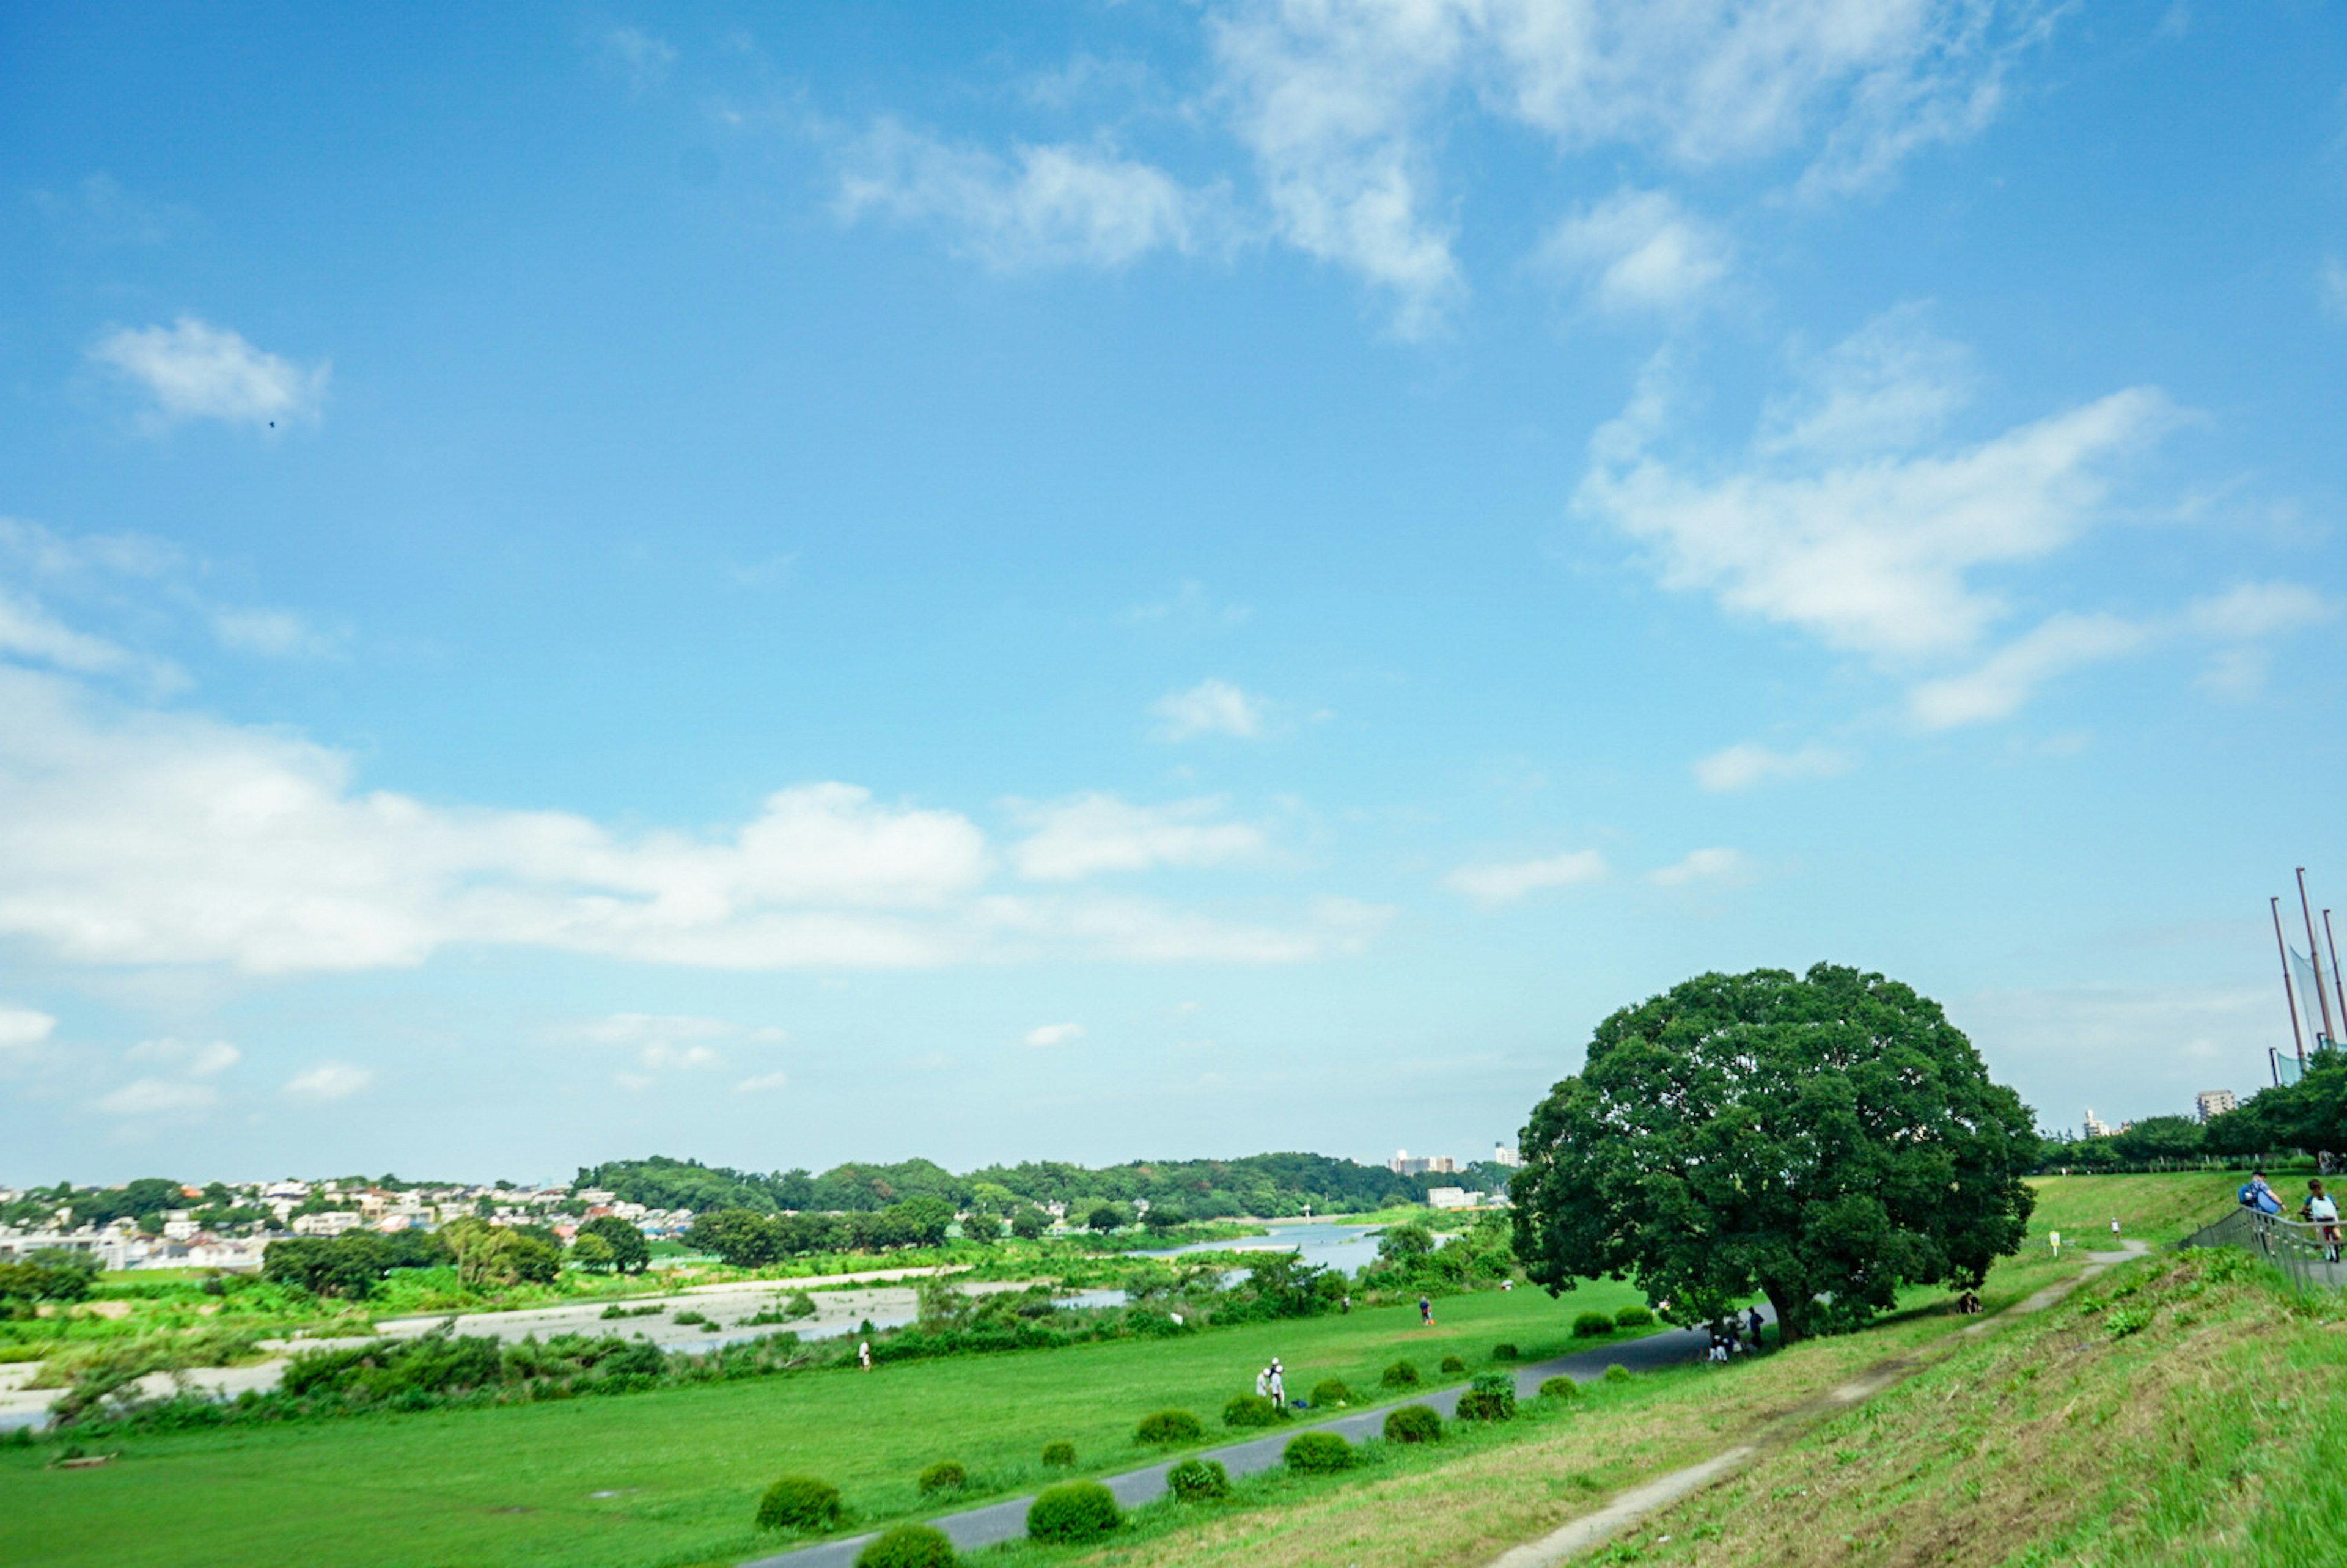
{"x": 2314, "y": 956}
{"x": 2332, "y": 942}
{"x": 2289, "y": 993}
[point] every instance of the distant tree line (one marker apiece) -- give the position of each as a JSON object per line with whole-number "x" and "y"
{"x": 1268, "y": 1184}
{"x": 2309, "y": 1115}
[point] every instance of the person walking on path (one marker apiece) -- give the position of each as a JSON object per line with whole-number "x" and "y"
{"x": 1756, "y": 1327}
{"x": 2257, "y": 1193}
{"x": 2321, "y": 1211}
{"x": 1425, "y": 1313}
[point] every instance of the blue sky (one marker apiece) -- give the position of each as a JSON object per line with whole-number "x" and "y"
{"x": 1141, "y": 580}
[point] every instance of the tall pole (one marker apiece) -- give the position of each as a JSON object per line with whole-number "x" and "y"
{"x": 2289, "y": 993}
{"x": 2332, "y": 942}
{"x": 2314, "y": 956}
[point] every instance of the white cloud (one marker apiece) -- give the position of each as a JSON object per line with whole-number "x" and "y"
{"x": 277, "y": 634}
{"x": 1209, "y": 707}
{"x": 1042, "y": 207}
{"x": 1094, "y": 833}
{"x": 637, "y": 1029}
{"x": 21, "y": 1028}
{"x": 1189, "y": 609}
{"x": 2249, "y": 611}
{"x": 197, "y": 1060}
{"x": 665, "y": 1057}
{"x": 1701, "y": 865}
{"x": 1640, "y": 251}
{"x": 1999, "y": 684}
{"x": 644, "y": 59}
{"x": 762, "y": 1083}
{"x": 329, "y": 1080}
{"x": 1505, "y": 882}
{"x": 1872, "y": 555}
{"x": 1743, "y": 765}
{"x": 195, "y": 371}
{"x": 2330, "y": 288}
{"x": 158, "y": 1097}
{"x": 29, "y": 632}
{"x": 1343, "y": 102}
{"x": 138, "y": 836}
{"x": 1051, "y": 1034}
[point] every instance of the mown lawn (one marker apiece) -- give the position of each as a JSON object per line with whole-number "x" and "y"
{"x": 681, "y": 1469}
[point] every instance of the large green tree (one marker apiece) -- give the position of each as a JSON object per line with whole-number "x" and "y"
{"x": 630, "y": 1253}
{"x": 1822, "y": 1139}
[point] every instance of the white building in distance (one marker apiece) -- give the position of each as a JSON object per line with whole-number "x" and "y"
{"x": 2215, "y": 1102}
{"x": 2096, "y": 1126}
{"x": 1401, "y": 1164}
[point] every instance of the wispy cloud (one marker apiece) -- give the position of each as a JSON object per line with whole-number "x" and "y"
{"x": 1748, "y": 763}
{"x": 2330, "y": 288}
{"x": 195, "y": 371}
{"x": 1639, "y": 250}
{"x": 1090, "y": 833}
{"x": 641, "y": 59}
{"x": 1210, "y": 708}
{"x": 1492, "y": 883}
{"x": 1700, "y": 865}
{"x": 158, "y": 1097}
{"x": 329, "y": 1081}
{"x": 1039, "y": 206}
{"x": 21, "y": 1028}
{"x": 762, "y": 1083}
{"x": 196, "y": 1059}
{"x": 1051, "y": 1034}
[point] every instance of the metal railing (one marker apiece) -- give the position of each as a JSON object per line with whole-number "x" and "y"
{"x": 2309, "y": 1253}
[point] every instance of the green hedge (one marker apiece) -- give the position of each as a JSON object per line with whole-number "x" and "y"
{"x": 799, "y": 1502}
{"x": 1490, "y": 1398}
{"x": 1317, "y": 1453}
{"x": 1414, "y": 1424}
{"x": 908, "y": 1546}
{"x": 1633, "y": 1317}
{"x": 1073, "y": 1512}
{"x": 1163, "y": 1429}
{"x": 1452, "y": 1366}
{"x": 1062, "y": 1455}
{"x": 1561, "y": 1388}
{"x": 1330, "y": 1392}
{"x": 946, "y": 1475}
{"x": 1400, "y": 1375}
{"x": 1253, "y": 1410}
{"x": 1590, "y": 1324}
{"x": 1198, "y": 1480}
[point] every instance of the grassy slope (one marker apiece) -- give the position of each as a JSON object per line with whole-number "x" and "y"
{"x": 434, "y": 1488}
{"x": 1523, "y": 1485}
{"x": 2186, "y": 1410}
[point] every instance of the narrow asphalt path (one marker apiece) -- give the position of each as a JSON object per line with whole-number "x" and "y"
{"x": 1007, "y": 1521}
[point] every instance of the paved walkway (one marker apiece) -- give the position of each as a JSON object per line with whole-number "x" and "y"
{"x": 1007, "y": 1521}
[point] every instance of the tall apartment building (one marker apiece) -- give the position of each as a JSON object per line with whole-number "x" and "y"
{"x": 2215, "y": 1102}
{"x": 2096, "y": 1126}
{"x": 1401, "y": 1164}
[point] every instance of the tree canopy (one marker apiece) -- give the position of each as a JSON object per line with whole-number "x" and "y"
{"x": 1822, "y": 1139}
{"x": 2310, "y": 1113}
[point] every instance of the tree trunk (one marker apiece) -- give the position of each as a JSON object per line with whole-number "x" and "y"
{"x": 1780, "y": 1302}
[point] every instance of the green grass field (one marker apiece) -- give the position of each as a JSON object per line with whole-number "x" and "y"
{"x": 682, "y": 1468}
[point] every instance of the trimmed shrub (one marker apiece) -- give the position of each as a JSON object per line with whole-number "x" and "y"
{"x": 1414, "y": 1424}
{"x": 1253, "y": 1410}
{"x": 1452, "y": 1366}
{"x": 800, "y": 1305}
{"x": 1491, "y": 1397}
{"x": 1317, "y": 1453}
{"x": 1504, "y": 1351}
{"x": 908, "y": 1546}
{"x": 799, "y": 1502}
{"x": 1165, "y": 1428}
{"x": 1564, "y": 1391}
{"x": 1633, "y": 1317}
{"x": 1618, "y": 1373}
{"x": 1062, "y": 1456}
{"x": 1073, "y": 1510}
{"x": 946, "y": 1475}
{"x": 1330, "y": 1392}
{"x": 1400, "y": 1375}
{"x": 1590, "y": 1324}
{"x": 1198, "y": 1480}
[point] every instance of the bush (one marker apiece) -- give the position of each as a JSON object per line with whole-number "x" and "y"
{"x": 1590, "y": 1324}
{"x": 1062, "y": 1456}
{"x": 1073, "y": 1512}
{"x": 1317, "y": 1453}
{"x": 908, "y": 1546}
{"x": 1504, "y": 1351}
{"x": 1452, "y": 1366}
{"x": 1618, "y": 1373}
{"x": 1490, "y": 1398}
{"x": 800, "y": 1305}
{"x": 1330, "y": 1392}
{"x": 946, "y": 1475}
{"x": 799, "y": 1502}
{"x": 1253, "y": 1410}
{"x": 1564, "y": 1391}
{"x": 1400, "y": 1375}
{"x": 1198, "y": 1480}
{"x": 1166, "y": 1428}
{"x": 1414, "y": 1424}
{"x": 1633, "y": 1317}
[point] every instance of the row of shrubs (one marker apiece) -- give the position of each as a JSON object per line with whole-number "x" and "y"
{"x": 1593, "y": 1325}
{"x": 1075, "y": 1511}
